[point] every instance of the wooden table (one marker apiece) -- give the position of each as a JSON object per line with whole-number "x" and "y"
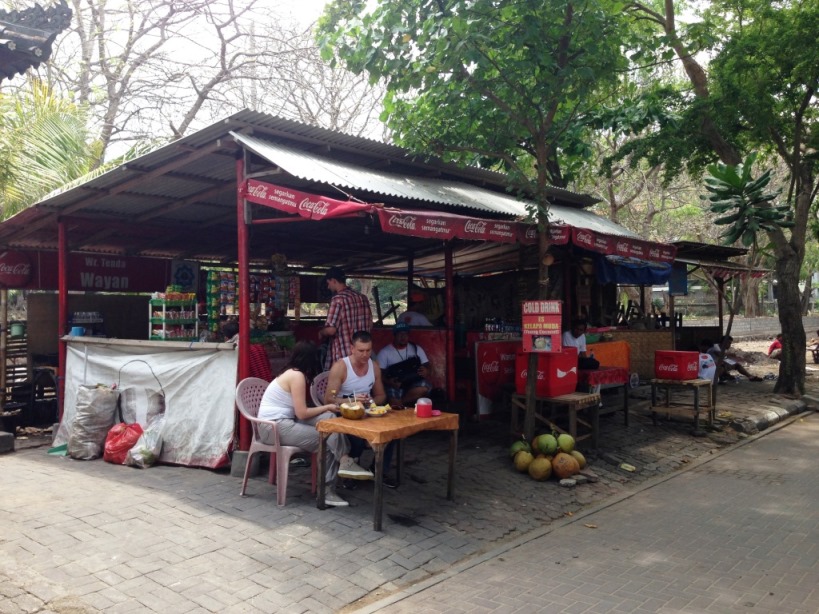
{"x": 397, "y": 424}
{"x": 693, "y": 385}
{"x": 574, "y": 403}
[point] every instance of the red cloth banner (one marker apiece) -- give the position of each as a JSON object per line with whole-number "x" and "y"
{"x": 310, "y": 206}
{"x": 622, "y": 246}
{"x": 437, "y": 225}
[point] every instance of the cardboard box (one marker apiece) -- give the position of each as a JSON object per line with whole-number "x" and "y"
{"x": 676, "y": 365}
{"x": 556, "y": 372}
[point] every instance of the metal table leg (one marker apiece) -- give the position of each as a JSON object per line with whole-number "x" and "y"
{"x": 378, "y": 493}
{"x": 322, "y": 471}
{"x": 453, "y": 447}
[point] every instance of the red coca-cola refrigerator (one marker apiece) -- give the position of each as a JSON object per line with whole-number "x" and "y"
{"x": 494, "y": 369}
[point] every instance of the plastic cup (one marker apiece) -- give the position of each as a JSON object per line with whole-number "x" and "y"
{"x": 423, "y": 408}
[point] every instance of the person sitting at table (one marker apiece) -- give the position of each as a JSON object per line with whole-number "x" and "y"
{"x": 413, "y": 315}
{"x": 813, "y": 347}
{"x": 728, "y": 362}
{"x": 576, "y": 338}
{"x": 358, "y": 377}
{"x": 404, "y": 367}
{"x": 775, "y": 349}
{"x": 284, "y": 402}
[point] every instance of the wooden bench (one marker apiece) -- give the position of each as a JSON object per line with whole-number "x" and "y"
{"x": 547, "y": 407}
{"x": 691, "y": 385}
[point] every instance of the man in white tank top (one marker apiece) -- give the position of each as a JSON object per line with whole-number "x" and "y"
{"x": 360, "y": 376}
{"x": 356, "y": 374}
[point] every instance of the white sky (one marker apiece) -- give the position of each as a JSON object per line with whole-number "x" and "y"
{"x": 303, "y": 11}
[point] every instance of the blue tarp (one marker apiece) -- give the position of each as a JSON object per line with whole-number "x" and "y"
{"x": 630, "y": 271}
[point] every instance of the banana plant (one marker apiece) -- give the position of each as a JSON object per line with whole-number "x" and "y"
{"x": 745, "y": 206}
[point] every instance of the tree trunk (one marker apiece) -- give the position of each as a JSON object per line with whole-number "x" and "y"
{"x": 792, "y": 367}
{"x": 750, "y": 287}
{"x": 806, "y": 294}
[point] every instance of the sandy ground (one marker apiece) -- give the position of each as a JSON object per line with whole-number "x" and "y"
{"x": 754, "y": 355}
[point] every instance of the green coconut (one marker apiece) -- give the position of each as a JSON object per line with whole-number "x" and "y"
{"x": 546, "y": 443}
{"x": 565, "y": 442}
{"x": 518, "y": 446}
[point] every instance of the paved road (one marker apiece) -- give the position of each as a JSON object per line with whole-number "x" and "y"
{"x": 82, "y": 537}
{"x": 737, "y": 533}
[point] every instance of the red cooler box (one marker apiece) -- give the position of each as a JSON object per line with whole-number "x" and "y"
{"x": 676, "y": 365}
{"x": 556, "y": 372}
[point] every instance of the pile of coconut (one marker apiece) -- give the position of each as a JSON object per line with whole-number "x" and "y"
{"x": 549, "y": 454}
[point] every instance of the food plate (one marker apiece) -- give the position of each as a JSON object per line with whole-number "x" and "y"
{"x": 377, "y": 412}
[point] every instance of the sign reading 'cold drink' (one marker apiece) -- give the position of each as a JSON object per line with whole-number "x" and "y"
{"x": 541, "y": 326}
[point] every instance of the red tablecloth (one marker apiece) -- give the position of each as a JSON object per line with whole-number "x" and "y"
{"x": 602, "y": 376}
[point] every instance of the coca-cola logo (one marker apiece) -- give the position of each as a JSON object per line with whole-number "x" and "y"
{"x": 654, "y": 253}
{"x": 562, "y": 374}
{"x": 15, "y": 270}
{"x": 475, "y": 227}
{"x": 672, "y": 368}
{"x": 585, "y": 238}
{"x": 316, "y": 207}
{"x": 257, "y": 190}
{"x": 491, "y": 367}
{"x": 531, "y": 233}
{"x": 407, "y": 222}
{"x": 540, "y": 375}
{"x": 692, "y": 366}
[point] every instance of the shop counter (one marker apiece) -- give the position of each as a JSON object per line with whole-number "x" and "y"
{"x": 612, "y": 353}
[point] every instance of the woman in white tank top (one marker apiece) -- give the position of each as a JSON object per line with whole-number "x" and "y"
{"x": 285, "y": 403}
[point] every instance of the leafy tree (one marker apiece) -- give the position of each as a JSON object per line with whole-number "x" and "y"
{"x": 758, "y": 94}
{"x": 504, "y": 85}
{"x": 44, "y": 143}
{"x": 743, "y": 203}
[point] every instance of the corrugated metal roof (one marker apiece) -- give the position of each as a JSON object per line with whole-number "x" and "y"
{"x": 314, "y": 167}
{"x": 179, "y": 201}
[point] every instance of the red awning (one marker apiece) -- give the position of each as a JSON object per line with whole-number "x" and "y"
{"x": 445, "y": 226}
{"x": 306, "y": 205}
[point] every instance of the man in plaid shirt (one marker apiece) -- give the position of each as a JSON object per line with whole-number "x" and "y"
{"x": 349, "y": 312}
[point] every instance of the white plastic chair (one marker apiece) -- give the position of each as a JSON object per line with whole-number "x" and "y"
{"x": 319, "y": 388}
{"x": 249, "y": 394}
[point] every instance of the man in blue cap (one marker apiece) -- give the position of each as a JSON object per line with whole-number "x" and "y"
{"x": 405, "y": 367}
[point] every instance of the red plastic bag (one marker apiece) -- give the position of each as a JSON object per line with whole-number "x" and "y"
{"x": 121, "y": 438}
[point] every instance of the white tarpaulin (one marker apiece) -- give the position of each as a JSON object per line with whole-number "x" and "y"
{"x": 198, "y": 383}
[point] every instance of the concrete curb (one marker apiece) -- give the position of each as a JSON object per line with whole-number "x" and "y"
{"x": 769, "y": 417}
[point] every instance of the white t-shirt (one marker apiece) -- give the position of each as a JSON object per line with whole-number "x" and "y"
{"x": 414, "y": 318}
{"x": 569, "y": 340}
{"x": 389, "y": 355}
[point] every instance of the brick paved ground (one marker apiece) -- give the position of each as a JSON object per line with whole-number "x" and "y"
{"x": 735, "y": 534}
{"x": 79, "y": 537}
